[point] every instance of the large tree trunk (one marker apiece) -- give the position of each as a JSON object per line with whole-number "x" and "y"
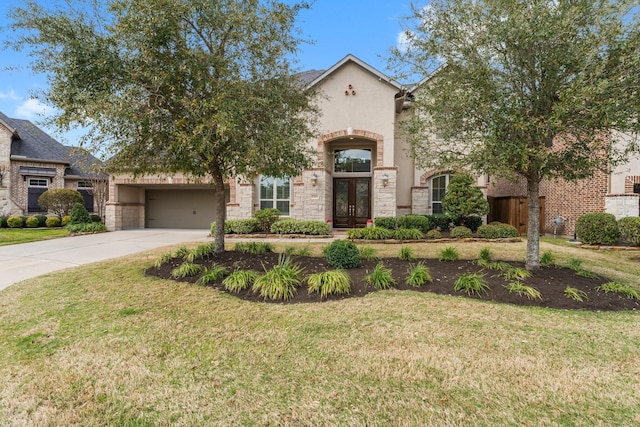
{"x": 533, "y": 224}
{"x": 220, "y": 212}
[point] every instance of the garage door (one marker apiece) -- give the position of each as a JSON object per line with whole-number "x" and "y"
{"x": 185, "y": 208}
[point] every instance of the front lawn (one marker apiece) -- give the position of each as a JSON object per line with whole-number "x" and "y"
{"x": 12, "y": 236}
{"x": 107, "y": 345}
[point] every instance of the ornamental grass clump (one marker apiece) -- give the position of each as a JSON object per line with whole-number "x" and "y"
{"x": 448, "y": 254}
{"x": 201, "y": 251}
{"x": 471, "y": 283}
{"x": 575, "y": 294}
{"x": 333, "y": 282}
{"x": 381, "y": 277}
{"x": 368, "y": 253}
{"x": 514, "y": 273}
{"x": 186, "y": 269}
{"x": 281, "y": 281}
{"x": 406, "y": 254}
{"x": 254, "y": 248}
{"x": 419, "y": 275}
{"x": 523, "y": 290}
{"x": 407, "y": 234}
{"x": 547, "y": 259}
{"x": 240, "y": 280}
{"x": 619, "y": 288}
{"x": 212, "y": 274}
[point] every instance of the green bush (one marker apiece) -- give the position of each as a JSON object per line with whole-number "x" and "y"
{"x": 266, "y": 217}
{"x": 472, "y": 222}
{"x": 95, "y": 218}
{"x": 42, "y": 220}
{"x": 87, "y": 227}
{"x": 497, "y": 230}
{"x": 15, "y": 222}
{"x": 597, "y": 228}
{"x": 59, "y": 201}
{"x": 460, "y": 232}
{"x": 407, "y": 234}
{"x": 332, "y": 282}
{"x": 53, "y": 221}
{"x": 296, "y": 226}
{"x": 630, "y": 230}
{"x": 239, "y": 226}
{"x": 370, "y": 233}
{"x": 463, "y": 199}
{"x": 31, "y": 222}
{"x": 79, "y": 215}
{"x": 342, "y": 254}
{"x": 421, "y": 222}
{"x": 65, "y": 220}
{"x": 3, "y": 222}
{"x": 388, "y": 222}
{"x": 441, "y": 222}
{"x": 433, "y": 234}
{"x": 253, "y": 248}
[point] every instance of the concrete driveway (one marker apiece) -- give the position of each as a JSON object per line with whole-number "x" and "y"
{"x": 27, "y": 260}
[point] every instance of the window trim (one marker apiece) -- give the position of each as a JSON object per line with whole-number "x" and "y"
{"x": 38, "y": 185}
{"x": 447, "y": 180}
{"x": 274, "y": 199}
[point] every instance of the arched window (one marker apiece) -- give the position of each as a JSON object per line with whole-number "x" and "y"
{"x": 438, "y": 186}
{"x": 275, "y": 193}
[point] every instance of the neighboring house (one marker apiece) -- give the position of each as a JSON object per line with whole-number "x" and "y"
{"x": 32, "y": 162}
{"x": 362, "y": 170}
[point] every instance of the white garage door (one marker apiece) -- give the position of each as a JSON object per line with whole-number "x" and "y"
{"x": 184, "y": 208}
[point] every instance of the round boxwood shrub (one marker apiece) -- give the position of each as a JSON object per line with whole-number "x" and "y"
{"x": 65, "y": 220}
{"x": 42, "y": 220}
{"x": 32, "y": 222}
{"x": 53, "y": 221}
{"x": 95, "y": 218}
{"x": 421, "y": 222}
{"x": 460, "y": 232}
{"x": 597, "y": 228}
{"x": 3, "y": 222}
{"x": 630, "y": 230}
{"x": 342, "y": 254}
{"x": 267, "y": 217}
{"x": 15, "y": 222}
{"x": 497, "y": 230}
{"x": 433, "y": 234}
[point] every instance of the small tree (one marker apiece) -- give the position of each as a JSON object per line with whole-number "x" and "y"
{"x": 463, "y": 199}
{"x": 79, "y": 215}
{"x": 59, "y": 201}
{"x": 100, "y": 192}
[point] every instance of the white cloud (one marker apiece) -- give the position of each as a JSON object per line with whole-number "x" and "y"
{"x": 403, "y": 41}
{"x": 10, "y": 95}
{"x": 32, "y": 109}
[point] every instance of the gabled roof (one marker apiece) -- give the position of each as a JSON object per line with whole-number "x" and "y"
{"x": 321, "y": 75}
{"x": 32, "y": 143}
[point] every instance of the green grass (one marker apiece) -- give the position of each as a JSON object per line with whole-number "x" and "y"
{"x": 106, "y": 345}
{"x": 14, "y": 236}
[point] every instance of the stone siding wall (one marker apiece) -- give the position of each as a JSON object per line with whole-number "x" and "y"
{"x": 622, "y": 205}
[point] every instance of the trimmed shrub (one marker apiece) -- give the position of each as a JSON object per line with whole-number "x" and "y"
{"x": 464, "y": 199}
{"x": 460, "y": 232}
{"x": 53, "y": 221}
{"x": 15, "y": 222}
{"x": 421, "y": 222}
{"x": 87, "y": 227}
{"x": 441, "y": 222}
{"x": 388, "y": 222}
{"x": 266, "y": 217}
{"x": 31, "y": 222}
{"x": 630, "y": 230}
{"x": 42, "y": 220}
{"x": 497, "y": 230}
{"x": 296, "y": 226}
{"x": 370, "y": 233}
{"x": 597, "y": 228}
{"x": 79, "y": 215}
{"x": 239, "y": 226}
{"x": 59, "y": 201}
{"x": 95, "y": 218}
{"x": 342, "y": 254}
{"x": 472, "y": 222}
{"x": 3, "y": 222}
{"x": 65, "y": 220}
{"x": 433, "y": 234}
{"x": 407, "y": 234}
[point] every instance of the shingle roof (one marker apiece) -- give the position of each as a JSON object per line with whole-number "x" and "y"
{"x": 34, "y": 144}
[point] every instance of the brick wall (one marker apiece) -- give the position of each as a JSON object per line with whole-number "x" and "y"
{"x": 567, "y": 199}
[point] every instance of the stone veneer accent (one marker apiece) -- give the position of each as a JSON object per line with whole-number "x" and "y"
{"x": 341, "y": 134}
{"x": 384, "y": 197}
{"x": 420, "y": 204}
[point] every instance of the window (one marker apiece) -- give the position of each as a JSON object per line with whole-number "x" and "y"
{"x": 352, "y": 160}
{"x": 439, "y": 186}
{"x": 38, "y": 183}
{"x": 84, "y": 184}
{"x": 275, "y": 193}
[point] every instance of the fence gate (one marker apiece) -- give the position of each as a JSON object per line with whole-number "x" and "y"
{"x": 514, "y": 211}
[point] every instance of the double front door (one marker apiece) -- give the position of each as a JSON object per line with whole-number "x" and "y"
{"x": 351, "y": 202}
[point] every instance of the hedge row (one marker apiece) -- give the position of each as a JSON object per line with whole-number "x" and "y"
{"x": 495, "y": 230}
{"x": 39, "y": 221}
{"x": 599, "y": 228}
{"x": 281, "y": 226}
{"x": 425, "y": 223}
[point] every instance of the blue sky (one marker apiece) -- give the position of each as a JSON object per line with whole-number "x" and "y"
{"x": 364, "y": 28}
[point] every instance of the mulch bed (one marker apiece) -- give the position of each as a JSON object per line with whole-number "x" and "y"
{"x": 550, "y": 281}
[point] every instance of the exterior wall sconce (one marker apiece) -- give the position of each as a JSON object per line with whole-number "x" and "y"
{"x": 314, "y": 179}
{"x": 385, "y": 180}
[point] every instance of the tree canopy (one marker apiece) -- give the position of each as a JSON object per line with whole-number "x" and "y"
{"x": 203, "y": 87}
{"x": 523, "y": 89}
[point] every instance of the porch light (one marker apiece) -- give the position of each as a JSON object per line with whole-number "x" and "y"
{"x": 314, "y": 179}
{"x": 385, "y": 180}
